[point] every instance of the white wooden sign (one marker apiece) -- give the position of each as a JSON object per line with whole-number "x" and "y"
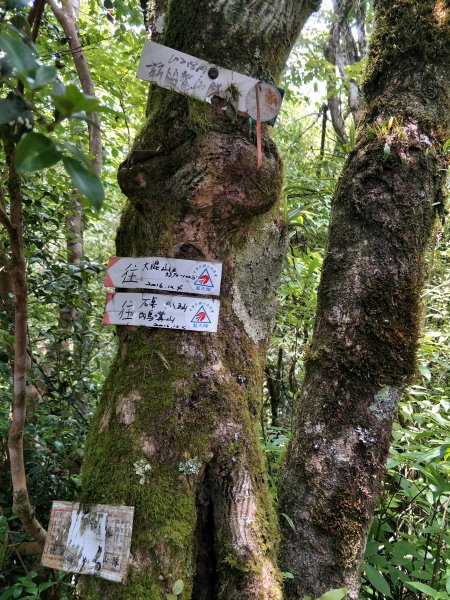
{"x": 161, "y": 310}
{"x": 171, "y": 274}
{"x": 93, "y": 543}
{"x": 189, "y": 75}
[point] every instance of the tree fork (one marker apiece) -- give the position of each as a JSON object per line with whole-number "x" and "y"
{"x": 183, "y": 407}
{"x": 368, "y": 317}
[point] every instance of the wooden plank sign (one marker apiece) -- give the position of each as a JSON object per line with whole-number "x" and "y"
{"x": 93, "y": 543}
{"x": 171, "y": 274}
{"x": 189, "y": 75}
{"x": 160, "y": 310}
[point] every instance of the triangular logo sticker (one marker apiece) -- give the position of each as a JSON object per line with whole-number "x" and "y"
{"x": 204, "y": 280}
{"x": 201, "y": 316}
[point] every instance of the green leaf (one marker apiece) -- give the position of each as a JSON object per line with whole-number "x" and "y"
{"x": 11, "y": 108}
{"x": 423, "y": 587}
{"x": 20, "y": 22}
{"x": 45, "y": 585}
{"x": 35, "y": 151}
{"x": 69, "y": 100}
{"x": 86, "y": 181}
{"x": 386, "y": 151}
{"x": 19, "y": 55}
{"x": 73, "y": 149}
{"x": 83, "y": 117}
{"x": 420, "y": 574}
{"x": 425, "y": 371}
{"x": 287, "y": 575}
{"x": 58, "y": 445}
{"x": 31, "y": 588}
{"x": 336, "y": 594}
{"x": 178, "y": 587}
{"x": 377, "y": 580}
{"x": 371, "y": 548}
{"x": 17, "y": 590}
{"x": 289, "y": 520}
{"x": 43, "y": 75}
{"x": 403, "y": 549}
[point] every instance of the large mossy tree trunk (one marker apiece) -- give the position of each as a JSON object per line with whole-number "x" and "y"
{"x": 175, "y": 434}
{"x": 367, "y": 324}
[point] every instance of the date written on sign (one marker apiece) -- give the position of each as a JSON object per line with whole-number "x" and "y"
{"x": 161, "y": 310}
{"x": 171, "y": 274}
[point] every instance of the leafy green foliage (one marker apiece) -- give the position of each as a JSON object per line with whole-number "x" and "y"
{"x": 20, "y": 56}
{"x": 85, "y": 180}
{"x": 23, "y": 115}
{"x": 67, "y": 366}
{"x": 35, "y": 152}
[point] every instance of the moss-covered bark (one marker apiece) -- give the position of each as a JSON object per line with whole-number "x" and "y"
{"x": 182, "y": 407}
{"x": 367, "y": 324}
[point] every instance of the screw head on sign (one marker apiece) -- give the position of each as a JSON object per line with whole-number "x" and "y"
{"x": 213, "y": 73}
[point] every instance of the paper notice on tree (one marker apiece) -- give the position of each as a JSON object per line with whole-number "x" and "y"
{"x": 193, "y": 76}
{"x": 170, "y": 274}
{"x": 161, "y": 310}
{"x": 92, "y": 543}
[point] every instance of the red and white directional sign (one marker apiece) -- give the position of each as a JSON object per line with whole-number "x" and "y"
{"x": 161, "y": 310}
{"x": 170, "y": 274}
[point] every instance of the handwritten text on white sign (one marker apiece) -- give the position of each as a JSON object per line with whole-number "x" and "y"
{"x": 189, "y": 75}
{"x": 171, "y": 274}
{"x": 161, "y": 310}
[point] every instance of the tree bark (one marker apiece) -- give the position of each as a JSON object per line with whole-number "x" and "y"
{"x": 185, "y": 406}
{"x": 368, "y": 316}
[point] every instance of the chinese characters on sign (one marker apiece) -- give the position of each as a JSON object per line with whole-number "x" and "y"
{"x": 148, "y": 309}
{"x": 189, "y": 75}
{"x": 170, "y": 274}
{"x": 93, "y": 543}
{"x": 164, "y": 311}
{"x": 193, "y": 76}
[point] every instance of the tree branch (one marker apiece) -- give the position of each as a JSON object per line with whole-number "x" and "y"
{"x": 360, "y": 17}
{"x": 340, "y": 51}
{"x": 21, "y": 503}
{"x": 5, "y": 220}
{"x": 35, "y": 17}
{"x": 64, "y": 15}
